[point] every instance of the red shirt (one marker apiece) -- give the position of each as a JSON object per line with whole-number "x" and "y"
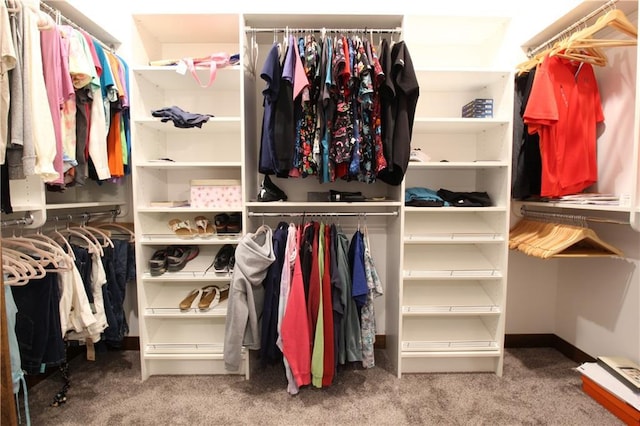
{"x": 564, "y": 108}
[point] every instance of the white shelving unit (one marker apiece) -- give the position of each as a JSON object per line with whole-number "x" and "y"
{"x": 450, "y": 302}
{"x": 174, "y": 341}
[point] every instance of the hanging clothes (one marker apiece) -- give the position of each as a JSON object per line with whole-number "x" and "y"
{"x": 564, "y": 108}
{"x": 338, "y": 114}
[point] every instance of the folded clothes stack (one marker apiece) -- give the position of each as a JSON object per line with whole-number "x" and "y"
{"x": 181, "y": 118}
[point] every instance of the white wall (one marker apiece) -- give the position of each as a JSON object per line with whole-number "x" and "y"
{"x": 592, "y": 303}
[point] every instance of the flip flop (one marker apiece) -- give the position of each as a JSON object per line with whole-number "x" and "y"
{"x": 182, "y": 228}
{"x": 203, "y": 226}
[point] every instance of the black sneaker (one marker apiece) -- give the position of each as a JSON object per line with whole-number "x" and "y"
{"x": 269, "y": 191}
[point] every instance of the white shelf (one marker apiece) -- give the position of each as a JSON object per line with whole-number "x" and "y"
{"x": 167, "y": 78}
{"x": 191, "y": 276}
{"x": 175, "y": 165}
{"x": 452, "y": 310}
{"x": 456, "y": 125}
{"x": 214, "y": 125}
{"x": 177, "y": 313}
{"x": 453, "y": 238}
{"x": 165, "y": 239}
{"x": 154, "y": 350}
{"x": 459, "y": 79}
{"x": 80, "y": 205}
{"x": 572, "y": 206}
{"x": 446, "y": 345}
{"x": 457, "y": 165}
{"x": 253, "y": 205}
{"x": 453, "y": 210}
{"x": 452, "y": 274}
{"x": 188, "y": 209}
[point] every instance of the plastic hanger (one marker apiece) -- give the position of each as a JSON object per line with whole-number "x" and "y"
{"x": 34, "y": 269}
{"x": 62, "y": 260}
{"x": 46, "y": 257}
{"x": 91, "y": 245}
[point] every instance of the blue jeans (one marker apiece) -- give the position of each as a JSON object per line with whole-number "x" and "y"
{"x": 116, "y": 262}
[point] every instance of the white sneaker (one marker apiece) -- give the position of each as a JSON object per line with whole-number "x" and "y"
{"x": 418, "y": 156}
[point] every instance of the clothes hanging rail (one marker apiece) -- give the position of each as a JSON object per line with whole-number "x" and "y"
{"x": 532, "y": 52}
{"x": 85, "y": 216}
{"x": 328, "y": 30}
{"x": 25, "y": 221}
{"x": 56, "y": 14}
{"x": 564, "y": 217}
{"x": 300, "y": 214}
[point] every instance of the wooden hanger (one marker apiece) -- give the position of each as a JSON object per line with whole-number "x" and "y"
{"x": 546, "y": 240}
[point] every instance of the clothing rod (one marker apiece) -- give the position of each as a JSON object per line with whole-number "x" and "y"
{"x": 85, "y": 216}
{"x": 25, "y": 221}
{"x": 319, "y": 30}
{"x": 300, "y": 214}
{"x": 536, "y": 214}
{"x": 57, "y": 14}
{"x": 532, "y": 52}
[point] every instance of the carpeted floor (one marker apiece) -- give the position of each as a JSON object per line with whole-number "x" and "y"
{"x": 539, "y": 387}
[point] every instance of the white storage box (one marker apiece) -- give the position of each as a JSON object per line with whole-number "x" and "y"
{"x": 216, "y": 193}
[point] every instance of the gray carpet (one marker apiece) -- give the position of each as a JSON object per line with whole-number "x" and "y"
{"x": 539, "y": 387}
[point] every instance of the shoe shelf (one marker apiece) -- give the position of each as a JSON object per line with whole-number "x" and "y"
{"x": 194, "y": 276}
{"x": 419, "y": 274}
{"x": 447, "y": 332}
{"x": 444, "y": 238}
{"x": 453, "y": 296}
{"x": 218, "y": 311}
{"x": 168, "y": 239}
{"x": 457, "y": 125}
{"x": 167, "y": 159}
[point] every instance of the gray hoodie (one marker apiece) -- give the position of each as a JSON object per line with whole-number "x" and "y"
{"x": 253, "y": 255}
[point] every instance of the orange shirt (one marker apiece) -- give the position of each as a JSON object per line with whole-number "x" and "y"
{"x": 564, "y": 108}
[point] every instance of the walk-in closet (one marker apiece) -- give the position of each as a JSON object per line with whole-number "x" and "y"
{"x": 240, "y": 200}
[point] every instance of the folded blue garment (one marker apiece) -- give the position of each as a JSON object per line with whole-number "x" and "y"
{"x": 423, "y": 194}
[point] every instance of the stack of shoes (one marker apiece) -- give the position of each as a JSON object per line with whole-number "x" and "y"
{"x": 210, "y": 297}
{"x": 172, "y": 259}
{"x": 269, "y": 191}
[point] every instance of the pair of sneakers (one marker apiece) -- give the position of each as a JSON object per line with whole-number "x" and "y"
{"x": 172, "y": 259}
{"x": 269, "y": 191}
{"x": 224, "y": 260}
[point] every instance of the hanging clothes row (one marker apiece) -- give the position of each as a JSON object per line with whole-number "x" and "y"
{"x": 303, "y": 295}
{"x": 338, "y": 108}
{"x": 84, "y": 132}
{"x": 67, "y": 285}
{"x": 558, "y": 109}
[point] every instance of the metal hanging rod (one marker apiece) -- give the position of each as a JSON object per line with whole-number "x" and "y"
{"x": 85, "y": 216}
{"x": 58, "y": 15}
{"x": 319, "y": 30}
{"x": 532, "y": 52}
{"x": 25, "y": 221}
{"x": 300, "y": 214}
{"x": 537, "y": 214}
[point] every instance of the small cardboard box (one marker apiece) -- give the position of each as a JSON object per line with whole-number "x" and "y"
{"x": 216, "y": 193}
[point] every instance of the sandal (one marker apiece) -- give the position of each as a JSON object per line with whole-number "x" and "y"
{"x": 210, "y": 297}
{"x": 203, "y": 226}
{"x": 182, "y": 228}
{"x": 186, "y": 303}
{"x": 158, "y": 263}
{"x": 178, "y": 259}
